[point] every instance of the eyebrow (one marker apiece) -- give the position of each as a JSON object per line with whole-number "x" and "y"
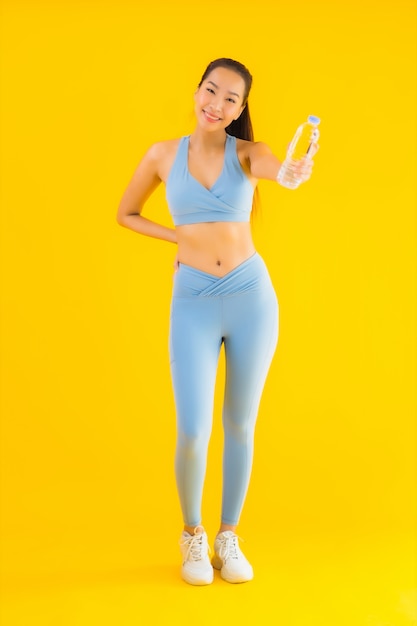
{"x": 217, "y": 87}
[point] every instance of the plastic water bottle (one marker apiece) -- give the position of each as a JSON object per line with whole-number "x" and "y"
{"x": 299, "y": 147}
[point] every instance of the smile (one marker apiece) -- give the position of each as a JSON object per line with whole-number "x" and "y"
{"x": 211, "y": 118}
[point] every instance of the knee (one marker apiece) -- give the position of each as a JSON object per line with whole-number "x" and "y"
{"x": 241, "y": 430}
{"x": 193, "y": 441}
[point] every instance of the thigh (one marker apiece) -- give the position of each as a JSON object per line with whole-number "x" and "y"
{"x": 194, "y": 344}
{"x": 253, "y": 327}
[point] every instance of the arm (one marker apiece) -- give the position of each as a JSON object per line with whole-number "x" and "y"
{"x": 264, "y": 164}
{"x": 143, "y": 183}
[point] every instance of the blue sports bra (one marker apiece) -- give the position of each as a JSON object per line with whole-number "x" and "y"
{"x": 228, "y": 200}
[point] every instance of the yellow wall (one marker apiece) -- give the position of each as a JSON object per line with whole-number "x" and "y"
{"x": 88, "y": 427}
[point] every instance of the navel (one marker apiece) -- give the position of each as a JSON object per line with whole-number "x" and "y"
{"x": 218, "y": 263}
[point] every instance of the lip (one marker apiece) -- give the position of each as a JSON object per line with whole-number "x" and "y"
{"x": 211, "y": 118}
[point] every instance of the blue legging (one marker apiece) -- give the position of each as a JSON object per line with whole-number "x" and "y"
{"x": 240, "y": 310}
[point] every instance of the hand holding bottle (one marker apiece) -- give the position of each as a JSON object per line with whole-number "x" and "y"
{"x": 298, "y": 164}
{"x": 302, "y": 168}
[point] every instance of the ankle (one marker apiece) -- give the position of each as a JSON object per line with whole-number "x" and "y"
{"x": 224, "y": 527}
{"x": 194, "y": 530}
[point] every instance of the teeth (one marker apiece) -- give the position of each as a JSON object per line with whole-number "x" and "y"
{"x": 211, "y": 116}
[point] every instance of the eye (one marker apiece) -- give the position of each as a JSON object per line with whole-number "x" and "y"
{"x": 210, "y": 89}
{"x": 231, "y": 100}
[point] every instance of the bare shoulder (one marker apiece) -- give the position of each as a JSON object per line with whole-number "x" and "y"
{"x": 160, "y": 149}
{"x": 151, "y": 170}
{"x": 252, "y": 149}
{"x": 162, "y": 153}
{"x": 259, "y": 159}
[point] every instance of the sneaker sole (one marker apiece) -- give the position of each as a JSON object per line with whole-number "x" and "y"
{"x": 199, "y": 582}
{"x": 217, "y": 563}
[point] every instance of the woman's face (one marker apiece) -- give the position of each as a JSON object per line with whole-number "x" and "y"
{"x": 219, "y": 99}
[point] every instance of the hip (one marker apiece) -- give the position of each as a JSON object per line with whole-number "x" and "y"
{"x": 250, "y": 277}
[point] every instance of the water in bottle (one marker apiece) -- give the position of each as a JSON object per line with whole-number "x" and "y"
{"x": 305, "y": 136}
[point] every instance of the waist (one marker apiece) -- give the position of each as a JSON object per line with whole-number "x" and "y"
{"x": 215, "y": 247}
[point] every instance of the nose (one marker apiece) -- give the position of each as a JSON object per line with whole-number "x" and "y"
{"x": 215, "y": 103}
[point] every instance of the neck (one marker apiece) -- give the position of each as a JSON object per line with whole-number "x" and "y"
{"x": 208, "y": 140}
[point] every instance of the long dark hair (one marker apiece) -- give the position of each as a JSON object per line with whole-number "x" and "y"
{"x": 242, "y": 127}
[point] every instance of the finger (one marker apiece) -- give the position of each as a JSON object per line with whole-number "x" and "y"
{"x": 314, "y": 149}
{"x": 306, "y": 164}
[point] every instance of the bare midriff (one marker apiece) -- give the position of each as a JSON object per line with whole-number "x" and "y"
{"x": 216, "y": 247}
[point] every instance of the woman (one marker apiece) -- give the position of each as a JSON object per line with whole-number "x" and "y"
{"x": 222, "y": 294}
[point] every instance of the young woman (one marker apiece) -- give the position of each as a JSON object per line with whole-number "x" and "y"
{"x": 222, "y": 294}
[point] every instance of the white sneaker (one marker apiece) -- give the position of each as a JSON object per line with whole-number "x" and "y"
{"x": 196, "y": 566}
{"x": 234, "y": 566}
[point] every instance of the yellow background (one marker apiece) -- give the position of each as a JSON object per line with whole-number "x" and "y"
{"x": 90, "y": 517}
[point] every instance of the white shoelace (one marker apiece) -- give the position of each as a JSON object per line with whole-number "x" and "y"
{"x": 229, "y": 547}
{"x": 195, "y": 545}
